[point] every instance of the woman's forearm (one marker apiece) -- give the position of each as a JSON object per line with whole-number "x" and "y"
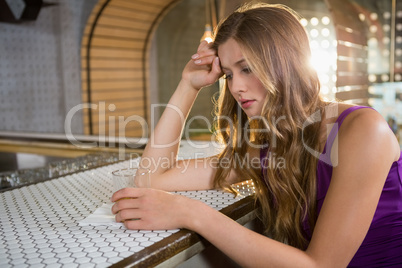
{"x": 246, "y": 247}
{"x": 161, "y": 151}
{"x": 164, "y": 142}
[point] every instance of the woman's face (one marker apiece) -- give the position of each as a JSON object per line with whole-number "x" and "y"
{"x": 245, "y": 87}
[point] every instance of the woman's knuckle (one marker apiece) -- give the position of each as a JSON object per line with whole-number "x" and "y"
{"x": 129, "y": 224}
{"x": 116, "y": 207}
{"x": 123, "y": 214}
{"x": 125, "y": 191}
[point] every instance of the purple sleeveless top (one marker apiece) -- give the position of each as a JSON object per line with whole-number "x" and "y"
{"x": 382, "y": 246}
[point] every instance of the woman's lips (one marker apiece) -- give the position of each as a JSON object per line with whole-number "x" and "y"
{"x": 246, "y": 103}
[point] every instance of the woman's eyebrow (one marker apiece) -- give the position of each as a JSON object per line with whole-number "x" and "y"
{"x": 237, "y": 63}
{"x": 225, "y": 68}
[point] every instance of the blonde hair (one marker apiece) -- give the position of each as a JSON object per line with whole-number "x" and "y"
{"x": 276, "y": 48}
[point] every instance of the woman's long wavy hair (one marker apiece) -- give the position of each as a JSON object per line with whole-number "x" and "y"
{"x": 276, "y": 48}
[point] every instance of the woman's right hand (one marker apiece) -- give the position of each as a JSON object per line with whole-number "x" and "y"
{"x": 204, "y": 67}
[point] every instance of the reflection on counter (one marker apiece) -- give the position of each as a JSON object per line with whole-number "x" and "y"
{"x": 53, "y": 168}
{"x": 14, "y": 161}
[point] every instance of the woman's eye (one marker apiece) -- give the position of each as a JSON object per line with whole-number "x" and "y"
{"x": 246, "y": 70}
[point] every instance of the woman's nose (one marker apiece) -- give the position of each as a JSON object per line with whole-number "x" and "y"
{"x": 238, "y": 85}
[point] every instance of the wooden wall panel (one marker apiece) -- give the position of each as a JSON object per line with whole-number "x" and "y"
{"x": 117, "y": 43}
{"x": 129, "y": 14}
{"x": 120, "y": 32}
{"x": 352, "y": 65}
{"x": 97, "y": 53}
{"x": 109, "y": 63}
{"x": 99, "y": 117}
{"x": 352, "y": 79}
{"x": 350, "y": 35}
{"x": 352, "y": 69}
{"x": 124, "y": 23}
{"x": 102, "y": 75}
{"x": 361, "y": 93}
{"x": 120, "y": 84}
{"x": 346, "y": 50}
{"x": 113, "y": 95}
{"x": 115, "y": 62}
{"x": 136, "y": 5}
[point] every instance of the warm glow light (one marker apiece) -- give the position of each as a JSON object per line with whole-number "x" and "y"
{"x": 325, "y": 20}
{"x": 314, "y": 45}
{"x": 387, "y": 15}
{"x": 314, "y": 33}
{"x": 349, "y": 30}
{"x": 373, "y": 28}
{"x": 372, "y": 53}
{"x": 372, "y": 41}
{"x": 325, "y": 90}
{"x": 325, "y": 32}
{"x": 372, "y": 78}
{"x": 325, "y": 44}
{"x": 323, "y": 53}
{"x": 324, "y": 78}
{"x": 207, "y": 34}
{"x": 348, "y": 44}
{"x": 321, "y": 61}
{"x": 314, "y": 21}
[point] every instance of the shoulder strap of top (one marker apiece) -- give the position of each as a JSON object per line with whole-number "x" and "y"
{"x": 326, "y": 155}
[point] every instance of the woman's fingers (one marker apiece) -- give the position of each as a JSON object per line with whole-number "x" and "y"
{"x": 128, "y": 214}
{"x": 204, "y": 53}
{"x": 126, "y": 209}
{"x": 125, "y": 203}
{"x": 204, "y": 44}
{"x": 148, "y": 209}
{"x": 138, "y": 224}
{"x": 127, "y": 193}
{"x": 203, "y": 69}
{"x": 206, "y": 60}
{"x": 216, "y": 66}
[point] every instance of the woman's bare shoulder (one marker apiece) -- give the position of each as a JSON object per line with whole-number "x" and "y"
{"x": 370, "y": 126}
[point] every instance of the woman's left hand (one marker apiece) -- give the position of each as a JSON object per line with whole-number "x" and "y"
{"x": 150, "y": 209}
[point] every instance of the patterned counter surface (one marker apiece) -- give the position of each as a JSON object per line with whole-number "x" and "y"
{"x": 39, "y": 224}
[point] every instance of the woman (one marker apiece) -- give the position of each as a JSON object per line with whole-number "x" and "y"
{"x": 336, "y": 198}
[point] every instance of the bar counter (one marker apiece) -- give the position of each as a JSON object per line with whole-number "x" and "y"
{"x": 39, "y": 225}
